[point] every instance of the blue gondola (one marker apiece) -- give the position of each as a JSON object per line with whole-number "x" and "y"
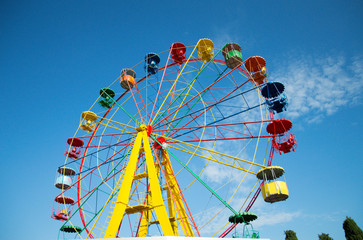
{"x": 275, "y": 97}
{"x": 151, "y": 63}
{"x": 278, "y": 105}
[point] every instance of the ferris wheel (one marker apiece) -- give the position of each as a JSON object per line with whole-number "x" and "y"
{"x": 180, "y": 144}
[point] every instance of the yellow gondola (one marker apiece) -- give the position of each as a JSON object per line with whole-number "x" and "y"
{"x": 272, "y": 190}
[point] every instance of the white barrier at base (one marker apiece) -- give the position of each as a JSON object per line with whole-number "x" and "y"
{"x": 177, "y": 238}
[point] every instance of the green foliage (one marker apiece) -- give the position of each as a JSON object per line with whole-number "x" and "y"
{"x": 351, "y": 229}
{"x": 290, "y": 235}
{"x": 324, "y": 236}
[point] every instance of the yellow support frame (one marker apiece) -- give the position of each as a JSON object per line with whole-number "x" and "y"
{"x": 174, "y": 195}
{"x": 175, "y": 202}
{"x": 124, "y": 192}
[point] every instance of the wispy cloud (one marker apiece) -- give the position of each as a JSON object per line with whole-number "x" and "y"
{"x": 275, "y": 214}
{"x": 221, "y": 39}
{"x": 320, "y": 87}
{"x": 272, "y": 214}
{"x": 274, "y": 219}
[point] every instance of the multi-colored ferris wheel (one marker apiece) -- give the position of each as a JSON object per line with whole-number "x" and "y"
{"x": 182, "y": 148}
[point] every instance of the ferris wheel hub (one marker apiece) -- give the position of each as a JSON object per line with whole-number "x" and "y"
{"x": 143, "y": 127}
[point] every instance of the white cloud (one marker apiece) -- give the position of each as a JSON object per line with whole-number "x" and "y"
{"x": 272, "y": 214}
{"x": 274, "y": 219}
{"x": 320, "y": 87}
{"x": 223, "y": 36}
{"x": 218, "y": 173}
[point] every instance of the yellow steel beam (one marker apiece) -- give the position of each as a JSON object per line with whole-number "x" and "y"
{"x": 122, "y": 201}
{"x": 174, "y": 194}
{"x": 124, "y": 193}
{"x": 157, "y": 198}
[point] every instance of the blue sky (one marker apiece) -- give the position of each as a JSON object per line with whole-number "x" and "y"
{"x": 55, "y": 54}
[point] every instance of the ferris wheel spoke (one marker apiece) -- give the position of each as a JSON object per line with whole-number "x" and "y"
{"x": 105, "y": 179}
{"x": 172, "y": 97}
{"x": 102, "y": 145}
{"x": 223, "y": 129}
{"x": 215, "y": 156}
{"x": 161, "y": 96}
{"x": 143, "y": 106}
{"x": 175, "y": 82}
{"x": 158, "y": 92}
{"x": 202, "y": 111}
{"x": 110, "y": 160}
{"x": 114, "y": 193}
{"x": 124, "y": 143}
{"x": 164, "y": 74}
{"x": 88, "y": 196}
{"x": 189, "y": 87}
{"x": 202, "y": 182}
{"x": 89, "y": 172}
{"x": 121, "y": 107}
{"x": 199, "y": 95}
{"x": 158, "y": 121}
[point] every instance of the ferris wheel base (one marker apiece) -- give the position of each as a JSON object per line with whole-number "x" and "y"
{"x": 175, "y": 238}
